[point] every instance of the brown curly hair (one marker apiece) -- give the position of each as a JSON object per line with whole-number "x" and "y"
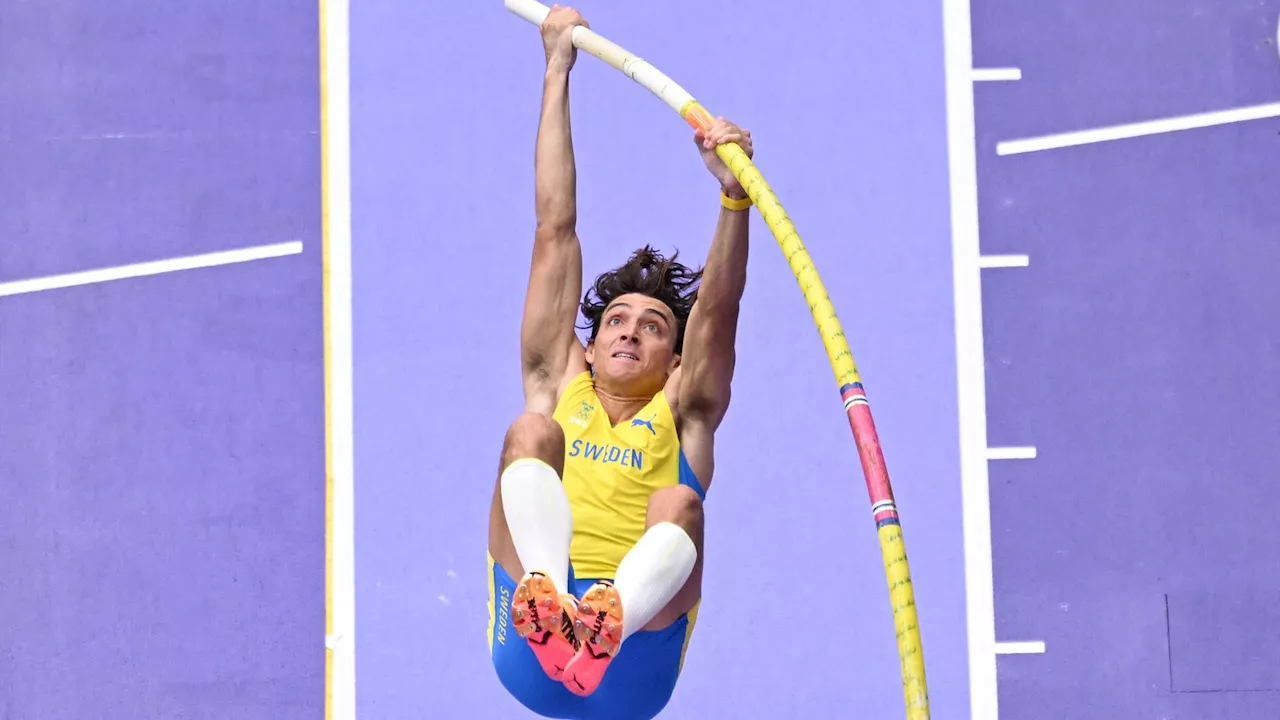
{"x": 647, "y": 272}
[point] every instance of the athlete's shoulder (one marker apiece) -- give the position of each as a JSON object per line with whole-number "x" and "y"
{"x": 578, "y": 384}
{"x": 577, "y": 397}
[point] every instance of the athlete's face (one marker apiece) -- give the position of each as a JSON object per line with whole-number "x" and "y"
{"x": 635, "y": 344}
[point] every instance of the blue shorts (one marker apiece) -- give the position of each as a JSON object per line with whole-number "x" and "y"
{"x": 637, "y": 686}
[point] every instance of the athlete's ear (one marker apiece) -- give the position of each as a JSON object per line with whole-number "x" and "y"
{"x": 590, "y": 352}
{"x": 675, "y": 363}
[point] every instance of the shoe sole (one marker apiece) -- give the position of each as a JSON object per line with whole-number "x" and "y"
{"x": 539, "y": 615}
{"x": 598, "y": 627}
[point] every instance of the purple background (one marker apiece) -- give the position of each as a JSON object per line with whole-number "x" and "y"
{"x": 1137, "y": 352}
{"x": 161, "y": 438}
{"x": 444, "y": 115}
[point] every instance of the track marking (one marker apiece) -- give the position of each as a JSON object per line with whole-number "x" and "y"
{"x": 1011, "y": 453}
{"x": 1139, "y": 129}
{"x": 156, "y": 267}
{"x": 1035, "y": 647}
{"x": 1004, "y": 261}
{"x": 996, "y": 74}
{"x": 971, "y": 392}
{"x": 335, "y": 143}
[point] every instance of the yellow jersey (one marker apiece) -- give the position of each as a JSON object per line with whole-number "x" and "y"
{"x": 611, "y": 470}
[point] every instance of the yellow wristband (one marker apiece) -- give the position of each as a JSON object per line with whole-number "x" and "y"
{"x": 736, "y": 205}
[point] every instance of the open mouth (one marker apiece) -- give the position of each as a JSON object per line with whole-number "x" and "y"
{"x": 626, "y": 356}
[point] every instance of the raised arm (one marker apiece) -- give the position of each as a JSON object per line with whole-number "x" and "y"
{"x": 549, "y": 350}
{"x": 707, "y": 363}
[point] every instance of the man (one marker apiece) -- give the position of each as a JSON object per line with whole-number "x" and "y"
{"x": 598, "y": 505}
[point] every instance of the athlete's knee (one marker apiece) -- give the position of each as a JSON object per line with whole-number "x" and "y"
{"x": 677, "y": 504}
{"x": 534, "y": 435}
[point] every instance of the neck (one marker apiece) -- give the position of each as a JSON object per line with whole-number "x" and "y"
{"x": 621, "y": 406}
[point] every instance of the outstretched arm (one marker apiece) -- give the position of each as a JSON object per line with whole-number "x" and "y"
{"x": 707, "y": 363}
{"x": 549, "y": 350}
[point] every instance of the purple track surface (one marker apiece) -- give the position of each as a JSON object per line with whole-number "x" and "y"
{"x": 161, "y": 438}
{"x": 1137, "y": 354}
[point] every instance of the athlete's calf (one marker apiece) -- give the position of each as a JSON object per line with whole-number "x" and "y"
{"x": 530, "y": 530}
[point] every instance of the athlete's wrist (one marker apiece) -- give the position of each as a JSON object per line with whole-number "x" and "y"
{"x": 734, "y": 200}
{"x": 557, "y": 69}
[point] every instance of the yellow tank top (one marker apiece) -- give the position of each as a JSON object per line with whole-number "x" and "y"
{"x": 611, "y": 470}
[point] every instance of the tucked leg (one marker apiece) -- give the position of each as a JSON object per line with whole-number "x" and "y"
{"x": 658, "y": 580}
{"x": 530, "y": 530}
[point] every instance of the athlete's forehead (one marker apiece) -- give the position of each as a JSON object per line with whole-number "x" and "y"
{"x": 642, "y": 304}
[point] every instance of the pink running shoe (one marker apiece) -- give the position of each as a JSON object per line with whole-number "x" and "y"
{"x": 544, "y": 617}
{"x": 599, "y": 629}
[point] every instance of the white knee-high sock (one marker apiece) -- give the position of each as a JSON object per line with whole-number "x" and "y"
{"x": 651, "y": 574}
{"x": 539, "y": 518}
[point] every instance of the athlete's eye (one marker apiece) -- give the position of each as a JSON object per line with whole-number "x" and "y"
{"x": 651, "y": 327}
{"x": 615, "y": 320}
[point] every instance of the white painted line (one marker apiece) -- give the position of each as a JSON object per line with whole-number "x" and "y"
{"x": 157, "y": 267}
{"x": 980, "y": 613}
{"x": 1152, "y": 127}
{"x": 337, "y": 157}
{"x": 1011, "y": 453}
{"x": 996, "y": 74}
{"x": 1004, "y": 261}
{"x": 1020, "y": 648}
